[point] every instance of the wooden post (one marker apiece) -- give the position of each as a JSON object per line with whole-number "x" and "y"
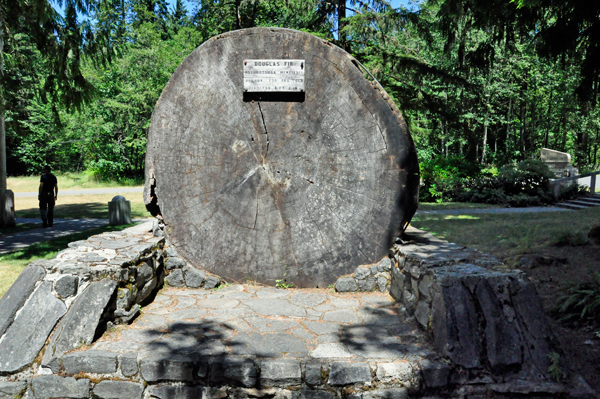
{"x": 593, "y": 183}
{"x": 297, "y": 186}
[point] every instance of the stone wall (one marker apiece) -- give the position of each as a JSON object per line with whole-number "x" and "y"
{"x": 91, "y": 285}
{"x": 80, "y": 292}
{"x": 485, "y": 321}
{"x": 483, "y": 318}
{"x": 481, "y": 315}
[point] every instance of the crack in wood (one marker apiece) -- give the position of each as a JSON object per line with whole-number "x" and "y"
{"x": 266, "y": 133}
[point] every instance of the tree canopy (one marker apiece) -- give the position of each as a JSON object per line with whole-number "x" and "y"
{"x": 491, "y": 82}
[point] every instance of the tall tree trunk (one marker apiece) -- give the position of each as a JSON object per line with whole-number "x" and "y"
{"x": 485, "y": 138}
{"x": 238, "y": 17}
{"x": 523, "y": 130}
{"x": 506, "y": 142}
{"x": 532, "y": 126}
{"x": 496, "y": 144}
{"x": 596, "y": 146}
{"x": 564, "y": 128}
{"x": 548, "y": 119}
{"x": 3, "y": 222}
{"x": 342, "y": 15}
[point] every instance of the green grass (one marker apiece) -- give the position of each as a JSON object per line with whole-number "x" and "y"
{"x": 80, "y": 206}
{"x": 67, "y": 181}
{"x": 13, "y": 263}
{"x": 511, "y": 234}
{"x": 434, "y": 206}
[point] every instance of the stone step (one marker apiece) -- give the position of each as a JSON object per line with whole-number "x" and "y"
{"x": 592, "y": 198}
{"x": 249, "y": 372}
{"x": 585, "y": 202}
{"x": 581, "y": 203}
{"x": 569, "y": 205}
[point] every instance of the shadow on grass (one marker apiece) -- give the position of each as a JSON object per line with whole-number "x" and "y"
{"x": 91, "y": 210}
{"x": 51, "y": 247}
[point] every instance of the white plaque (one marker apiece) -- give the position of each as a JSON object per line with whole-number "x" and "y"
{"x": 274, "y": 75}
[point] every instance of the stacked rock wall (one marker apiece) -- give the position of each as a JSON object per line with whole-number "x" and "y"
{"x": 484, "y": 319}
{"x": 90, "y": 284}
{"x": 481, "y": 315}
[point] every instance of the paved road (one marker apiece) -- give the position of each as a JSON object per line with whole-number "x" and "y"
{"x": 62, "y": 227}
{"x": 476, "y": 211}
{"x": 89, "y": 191}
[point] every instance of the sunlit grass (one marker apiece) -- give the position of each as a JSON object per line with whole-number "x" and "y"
{"x": 509, "y": 234}
{"x": 470, "y": 217}
{"x": 434, "y": 206}
{"x": 66, "y": 181}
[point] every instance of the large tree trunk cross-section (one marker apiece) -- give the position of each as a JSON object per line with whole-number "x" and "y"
{"x": 263, "y": 190}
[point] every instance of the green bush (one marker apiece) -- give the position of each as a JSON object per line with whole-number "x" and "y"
{"x": 572, "y": 191}
{"x": 442, "y": 177}
{"x": 521, "y": 185}
{"x": 527, "y": 184}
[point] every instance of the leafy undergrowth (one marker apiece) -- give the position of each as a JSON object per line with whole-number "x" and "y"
{"x": 580, "y": 302}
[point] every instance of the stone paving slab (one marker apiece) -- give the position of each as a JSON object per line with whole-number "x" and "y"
{"x": 265, "y": 322}
{"x": 249, "y": 336}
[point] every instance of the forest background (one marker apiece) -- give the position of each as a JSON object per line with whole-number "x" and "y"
{"x": 480, "y": 84}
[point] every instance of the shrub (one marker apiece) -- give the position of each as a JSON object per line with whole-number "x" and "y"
{"x": 526, "y": 184}
{"x": 442, "y": 177}
{"x": 521, "y": 185}
{"x": 571, "y": 191}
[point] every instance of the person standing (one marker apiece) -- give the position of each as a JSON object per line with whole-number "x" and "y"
{"x": 47, "y": 196}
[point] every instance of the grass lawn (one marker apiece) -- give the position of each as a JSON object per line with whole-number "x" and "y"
{"x": 506, "y": 235}
{"x": 67, "y": 207}
{"x": 65, "y": 181}
{"x": 80, "y": 206}
{"x": 12, "y": 263}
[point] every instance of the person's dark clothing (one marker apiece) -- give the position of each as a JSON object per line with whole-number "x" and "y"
{"x": 47, "y": 198}
{"x": 49, "y": 181}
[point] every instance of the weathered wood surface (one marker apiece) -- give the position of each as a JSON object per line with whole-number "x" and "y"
{"x": 264, "y": 190}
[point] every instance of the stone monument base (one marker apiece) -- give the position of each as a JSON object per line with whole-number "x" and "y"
{"x": 444, "y": 336}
